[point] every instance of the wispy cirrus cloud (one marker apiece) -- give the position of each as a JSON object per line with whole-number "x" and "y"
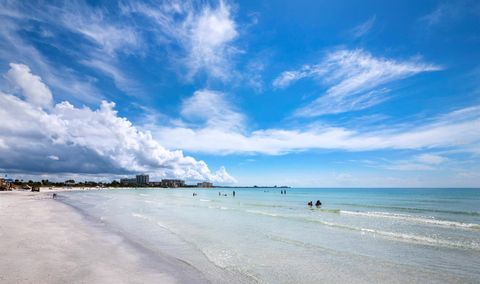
{"x": 447, "y": 13}
{"x": 58, "y": 24}
{"x": 443, "y": 11}
{"x": 15, "y": 48}
{"x": 431, "y": 159}
{"x": 422, "y": 162}
{"x": 94, "y": 24}
{"x": 436, "y": 15}
{"x": 107, "y": 36}
{"x": 110, "y": 68}
{"x": 195, "y": 37}
{"x": 355, "y": 80}
{"x": 363, "y": 28}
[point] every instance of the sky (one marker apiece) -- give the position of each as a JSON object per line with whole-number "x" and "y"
{"x": 298, "y": 93}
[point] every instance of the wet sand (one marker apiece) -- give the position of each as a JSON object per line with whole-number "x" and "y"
{"x": 45, "y": 241}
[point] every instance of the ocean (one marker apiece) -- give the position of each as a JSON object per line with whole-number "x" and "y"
{"x": 356, "y": 236}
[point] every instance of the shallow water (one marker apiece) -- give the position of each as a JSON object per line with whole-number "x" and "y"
{"x": 358, "y": 235}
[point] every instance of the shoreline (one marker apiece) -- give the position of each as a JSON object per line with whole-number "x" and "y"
{"x": 43, "y": 240}
{"x": 167, "y": 237}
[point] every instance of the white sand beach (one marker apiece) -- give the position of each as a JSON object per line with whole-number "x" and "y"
{"x": 44, "y": 241}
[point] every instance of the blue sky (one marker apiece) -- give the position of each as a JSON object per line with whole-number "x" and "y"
{"x": 302, "y": 93}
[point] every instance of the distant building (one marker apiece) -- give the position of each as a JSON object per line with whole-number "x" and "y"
{"x": 142, "y": 179}
{"x": 139, "y": 180}
{"x": 204, "y": 184}
{"x": 173, "y": 183}
{"x": 128, "y": 181}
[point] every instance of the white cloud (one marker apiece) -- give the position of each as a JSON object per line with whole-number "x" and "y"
{"x": 92, "y": 25}
{"x": 287, "y": 77}
{"x": 339, "y": 104}
{"x": 109, "y": 67}
{"x": 89, "y": 141}
{"x": 279, "y": 141}
{"x": 53, "y": 157}
{"x": 209, "y": 35}
{"x": 435, "y": 16}
{"x": 252, "y": 75}
{"x": 107, "y": 39}
{"x": 422, "y": 162}
{"x": 31, "y": 86}
{"x": 449, "y": 13}
{"x": 408, "y": 166}
{"x": 431, "y": 159}
{"x": 355, "y": 80}
{"x": 444, "y": 11}
{"x": 213, "y": 109}
{"x": 455, "y": 130}
{"x": 204, "y": 32}
{"x": 363, "y": 28}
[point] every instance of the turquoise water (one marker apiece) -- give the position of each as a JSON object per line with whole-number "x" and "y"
{"x": 357, "y": 236}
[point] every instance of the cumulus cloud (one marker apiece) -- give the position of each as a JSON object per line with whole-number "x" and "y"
{"x": 204, "y": 32}
{"x": 30, "y": 85}
{"x": 88, "y": 140}
{"x": 355, "y": 79}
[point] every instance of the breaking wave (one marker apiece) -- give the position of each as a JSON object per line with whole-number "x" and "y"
{"x": 404, "y": 237}
{"x": 410, "y": 209}
{"x": 408, "y": 218}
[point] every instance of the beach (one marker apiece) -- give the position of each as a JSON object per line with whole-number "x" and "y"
{"x": 256, "y": 236}
{"x": 42, "y": 240}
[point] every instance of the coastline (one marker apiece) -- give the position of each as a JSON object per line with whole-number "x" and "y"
{"x": 43, "y": 240}
{"x": 167, "y": 236}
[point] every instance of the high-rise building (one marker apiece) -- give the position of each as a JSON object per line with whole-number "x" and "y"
{"x": 142, "y": 179}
